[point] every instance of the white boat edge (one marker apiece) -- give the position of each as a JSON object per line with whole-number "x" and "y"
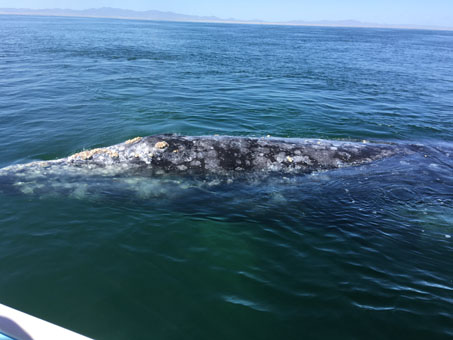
{"x": 21, "y": 326}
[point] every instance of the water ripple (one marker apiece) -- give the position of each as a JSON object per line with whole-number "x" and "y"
{"x": 359, "y": 252}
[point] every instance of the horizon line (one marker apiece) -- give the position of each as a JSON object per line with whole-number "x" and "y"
{"x": 213, "y": 19}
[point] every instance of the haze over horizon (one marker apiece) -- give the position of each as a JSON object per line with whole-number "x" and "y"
{"x": 399, "y": 12}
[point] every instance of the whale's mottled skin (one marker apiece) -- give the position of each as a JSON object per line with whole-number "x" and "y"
{"x": 219, "y": 155}
{"x": 139, "y": 162}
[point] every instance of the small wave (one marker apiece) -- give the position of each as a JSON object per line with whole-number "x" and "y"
{"x": 246, "y": 303}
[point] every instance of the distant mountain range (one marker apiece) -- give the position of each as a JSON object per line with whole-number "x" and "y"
{"x": 107, "y": 12}
{"x": 117, "y": 13}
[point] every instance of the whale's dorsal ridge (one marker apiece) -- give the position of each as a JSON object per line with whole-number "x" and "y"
{"x": 218, "y": 155}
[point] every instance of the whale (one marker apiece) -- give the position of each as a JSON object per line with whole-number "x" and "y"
{"x": 221, "y": 155}
{"x": 171, "y": 154}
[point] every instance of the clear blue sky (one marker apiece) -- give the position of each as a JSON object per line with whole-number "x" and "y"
{"x": 420, "y": 12}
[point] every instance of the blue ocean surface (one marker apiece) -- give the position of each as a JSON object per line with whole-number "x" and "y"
{"x": 358, "y": 252}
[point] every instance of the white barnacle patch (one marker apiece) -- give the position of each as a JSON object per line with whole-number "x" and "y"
{"x": 161, "y": 145}
{"x": 339, "y": 163}
{"x": 281, "y": 157}
{"x": 274, "y": 167}
{"x": 148, "y": 158}
{"x": 133, "y": 140}
{"x": 302, "y": 159}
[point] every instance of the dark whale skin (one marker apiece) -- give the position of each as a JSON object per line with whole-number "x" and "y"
{"x": 222, "y": 154}
{"x": 212, "y": 155}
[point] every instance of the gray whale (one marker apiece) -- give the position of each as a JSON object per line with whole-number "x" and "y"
{"x": 218, "y": 155}
{"x": 154, "y": 164}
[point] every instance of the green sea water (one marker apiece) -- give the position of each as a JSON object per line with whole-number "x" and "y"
{"x": 361, "y": 252}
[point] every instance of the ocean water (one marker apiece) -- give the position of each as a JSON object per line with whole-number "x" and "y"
{"x": 361, "y": 252}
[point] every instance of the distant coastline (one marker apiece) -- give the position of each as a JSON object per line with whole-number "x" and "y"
{"x": 154, "y": 15}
